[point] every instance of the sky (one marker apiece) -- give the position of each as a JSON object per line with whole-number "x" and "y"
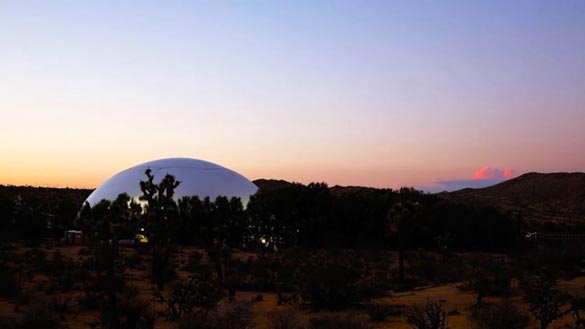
{"x": 430, "y": 94}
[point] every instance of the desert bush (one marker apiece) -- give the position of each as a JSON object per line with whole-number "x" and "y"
{"x": 195, "y": 262}
{"x": 10, "y": 284}
{"x": 429, "y": 268}
{"x": 198, "y": 293}
{"x": 23, "y": 299}
{"x": 339, "y": 322}
{"x": 35, "y": 258}
{"x": 51, "y": 288}
{"x": 84, "y": 252}
{"x": 379, "y": 312}
{"x": 135, "y": 313}
{"x": 563, "y": 262}
{"x": 41, "y": 317}
{"x": 577, "y": 310}
{"x": 287, "y": 319}
{"x": 134, "y": 261}
{"x": 61, "y": 271}
{"x": 487, "y": 277}
{"x": 501, "y": 315}
{"x": 236, "y": 315}
{"x": 336, "y": 282}
{"x": 61, "y": 306}
{"x": 195, "y": 321}
{"x": 430, "y": 315}
{"x": 287, "y": 299}
{"x": 545, "y": 300}
{"x": 268, "y": 271}
{"x": 402, "y": 286}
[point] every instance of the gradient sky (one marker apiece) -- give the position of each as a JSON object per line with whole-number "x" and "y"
{"x": 377, "y": 93}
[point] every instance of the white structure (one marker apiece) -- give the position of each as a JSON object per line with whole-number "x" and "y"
{"x": 197, "y": 177}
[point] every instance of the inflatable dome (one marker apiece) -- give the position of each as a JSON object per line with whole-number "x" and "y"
{"x": 197, "y": 177}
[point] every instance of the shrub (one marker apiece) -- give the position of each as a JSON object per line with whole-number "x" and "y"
{"x": 61, "y": 271}
{"x": 196, "y": 321}
{"x": 336, "y": 282}
{"x": 35, "y": 258}
{"x": 60, "y": 306}
{"x": 236, "y": 315}
{"x": 38, "y": 318}
{"x": 51, "y": 288}
{"x": 194, "y": 262}
{"x": 430, "y": 315}
{"x": 429, "y": 268}
{"x": 84, "y": 252}
{"x": 488, "y": 277}
{"x": 501, "y": 315}
{"x": 135, "y": 262}
{"x": 23, "y": 299}
{"x": 339, "y": 322}
{"x": 379, "y": 312}
{"x": 135, "y": 313}
{"x": 287, "y": 319}
{"x": 10, "y": 285}
{"x": 188, "y": 296}
{"x": 545, "y": 299}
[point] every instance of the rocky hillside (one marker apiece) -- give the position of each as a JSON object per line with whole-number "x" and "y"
{"x": 554, "y": 197}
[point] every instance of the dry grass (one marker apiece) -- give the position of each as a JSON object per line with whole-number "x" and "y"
{"x": 455, "y": 302}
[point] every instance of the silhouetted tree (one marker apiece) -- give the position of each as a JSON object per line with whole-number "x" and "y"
{"x": 159, "y": 221}
{"x": 6, "y": 217}
{"x": 503, "y": 314}
{"x": 487, "y": 277}
{"x": 104, "y": 220}
{"x": 545, "y": 300}
{"x": 403, "y": 218}
{"x": 64, "y": 216}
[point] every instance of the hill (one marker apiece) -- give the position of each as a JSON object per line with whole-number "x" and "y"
{"x": 47, "y": 196}
{"x": 544, "y": 198}
{"x": 271, "y": 184}
{"x": 276, "y": 184}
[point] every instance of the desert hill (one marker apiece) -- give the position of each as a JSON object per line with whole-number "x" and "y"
{"x": 552, "y": 197}
{"x": 271, "y": 184}
{"x": 47, "y": 196}
{"x": 275, "y": 184}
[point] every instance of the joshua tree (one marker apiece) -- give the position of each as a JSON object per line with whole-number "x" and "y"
{"x": 159, "y": 220}
{"x": 100, "y": 220}
{"x": 545, "y": 300}
{"x": 403, "y": 218}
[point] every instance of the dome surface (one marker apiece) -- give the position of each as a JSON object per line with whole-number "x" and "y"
{"x": 197, "y": 177}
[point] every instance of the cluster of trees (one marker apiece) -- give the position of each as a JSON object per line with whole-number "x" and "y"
{"x": 27, "y": 214}
{"x": 308, "y": 216}
{"x": 316, "y": 216}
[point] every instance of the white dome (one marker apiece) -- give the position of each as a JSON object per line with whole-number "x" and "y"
{"x": 197, "y": 177}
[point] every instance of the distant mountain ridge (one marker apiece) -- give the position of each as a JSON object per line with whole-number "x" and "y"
{"x": 46, "y": 194}
{"x": 544, "y": 198}
{"x": 541, "y": 197}
{"x": 275, "y": 184}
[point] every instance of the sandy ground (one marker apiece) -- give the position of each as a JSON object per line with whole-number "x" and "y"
{"x": 453, "y": 300}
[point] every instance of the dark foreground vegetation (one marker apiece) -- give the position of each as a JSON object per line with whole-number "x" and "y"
{"x": 320, "y": 252}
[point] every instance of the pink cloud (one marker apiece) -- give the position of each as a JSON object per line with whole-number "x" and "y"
{"x": 492, "y": 173}
{"x": 508, "y": 173}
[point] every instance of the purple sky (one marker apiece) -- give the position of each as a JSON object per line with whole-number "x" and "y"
{"x": 378, "y": 93}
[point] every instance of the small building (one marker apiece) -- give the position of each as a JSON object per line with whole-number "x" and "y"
{"x": 74, "y": 237}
